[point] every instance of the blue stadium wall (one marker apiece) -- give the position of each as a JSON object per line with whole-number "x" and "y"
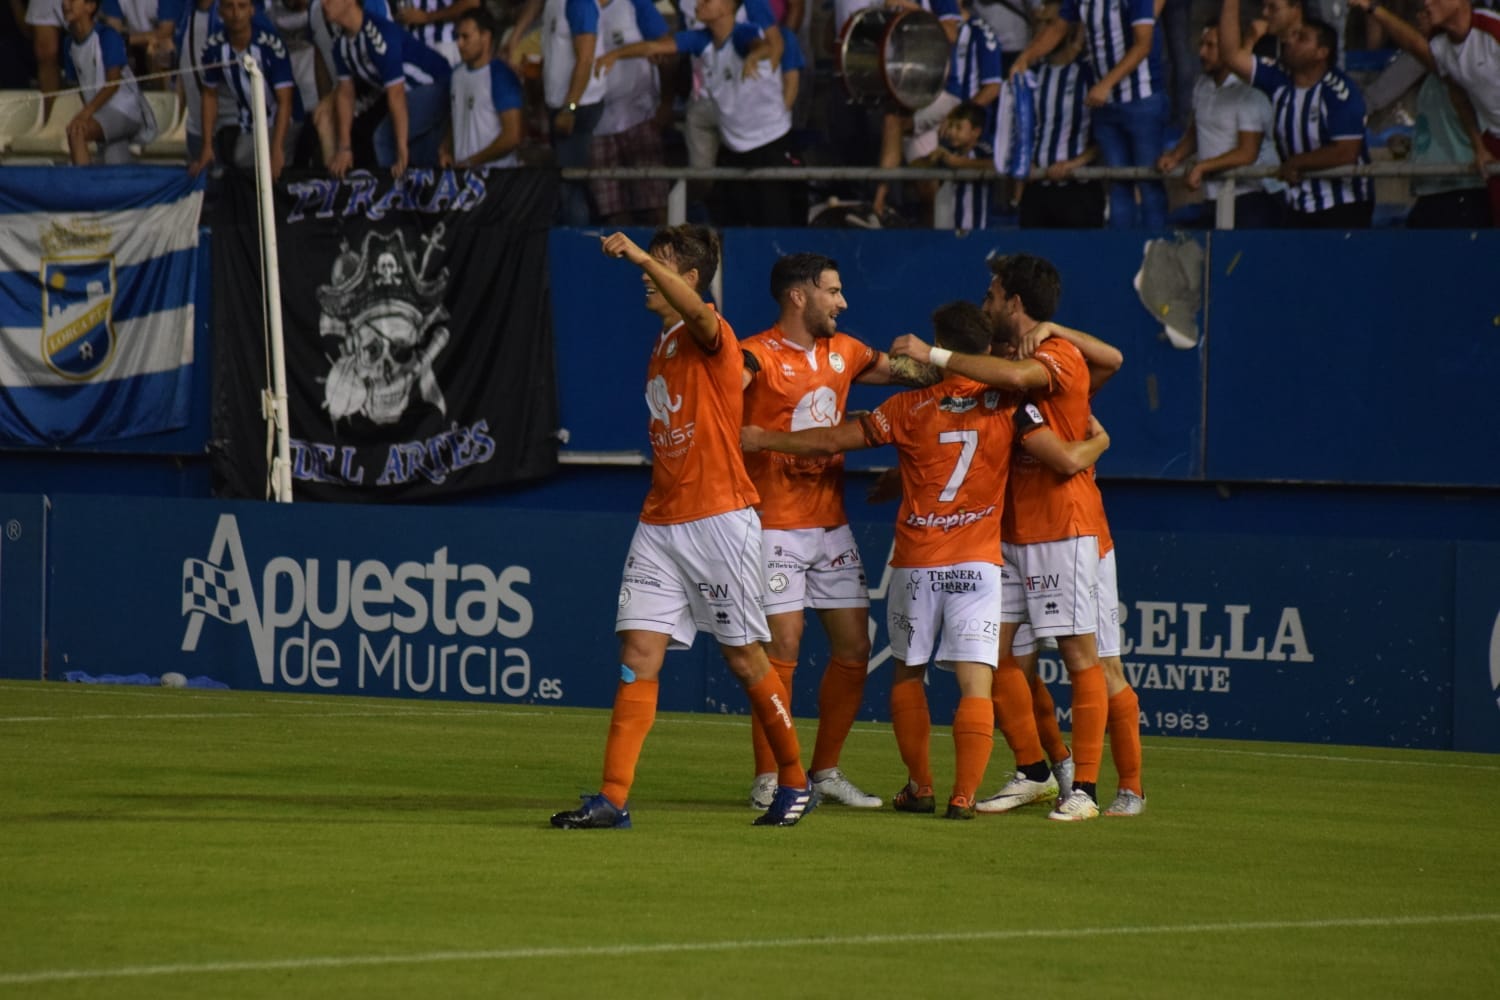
{"x": 1306, "y": 503}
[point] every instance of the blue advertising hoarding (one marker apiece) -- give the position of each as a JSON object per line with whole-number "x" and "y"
{"x": 1225, "y": 636}
{"x": 23, "y": 591}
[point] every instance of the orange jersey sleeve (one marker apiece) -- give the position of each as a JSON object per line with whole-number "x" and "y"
{"x": 1043, "y": 505}
{"x": 793, "y": 390}
{"x": 954, "y": 442}
{"x": 696, "y": 400}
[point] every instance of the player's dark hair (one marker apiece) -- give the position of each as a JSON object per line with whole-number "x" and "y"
{"x": 970, "y": 112}
{"x": 692, "y": 247}
{"x": 961, "y": 327}
{"x": 1327, "y": 37}
{"x": 798, "y": 269}
{"x": 482, "y": 18}
{"x": 1033, "y": 278}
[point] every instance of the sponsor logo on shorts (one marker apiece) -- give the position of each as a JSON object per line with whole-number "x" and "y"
{"x": 624, "y": 596}
{"x": 903, "y": 623}
{"x": 777, "y": 583}
{"x": 944, "y": 581}
{"x": 849, "y": 557}
{"x": 722, "y": 617}
{"x": 1050, "y": 607}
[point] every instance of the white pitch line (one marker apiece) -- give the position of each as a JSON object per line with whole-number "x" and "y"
{"x": 684, "y": 947}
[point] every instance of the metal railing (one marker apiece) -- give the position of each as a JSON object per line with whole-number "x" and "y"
{"x": 1224, "y": 206}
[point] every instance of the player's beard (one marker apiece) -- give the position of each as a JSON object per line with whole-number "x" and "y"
{"x": 820, "y": 326}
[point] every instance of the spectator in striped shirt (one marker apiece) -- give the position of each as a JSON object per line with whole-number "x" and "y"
{"x": 381, "y": 56}
{"x": 1318, "y": 121}
{"x": 1128, "y": 100}
{"x": 1063, "y": 141}
{"x": 962, "y": 205}
{"x": 434, "y": 23}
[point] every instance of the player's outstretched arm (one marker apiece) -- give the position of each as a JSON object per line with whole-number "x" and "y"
{"x": 900, "y": 371}
{"x": 813, "y": 441}
{"x": 1017, "y": 376}
{"x": 700, "y": 318}
{"x": 1103, "y": 359}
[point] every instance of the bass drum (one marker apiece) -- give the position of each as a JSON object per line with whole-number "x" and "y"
{"x": 896, "y": 57}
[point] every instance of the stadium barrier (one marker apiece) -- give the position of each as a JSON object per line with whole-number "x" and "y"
{"x": 1291, "y": 638}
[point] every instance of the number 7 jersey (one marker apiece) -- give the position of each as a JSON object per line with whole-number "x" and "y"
{"x": 954, "y": 440}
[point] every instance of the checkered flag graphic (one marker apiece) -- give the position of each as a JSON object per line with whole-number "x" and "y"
{"x": 208, "y": 589}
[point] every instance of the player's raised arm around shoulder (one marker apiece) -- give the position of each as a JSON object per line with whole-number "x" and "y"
{"x": 1017, "y": 376}
{"x": 813, "y": 441}
{"x": 900, "y": 371}
{"x": 1103, "y": 359}
{"x": 1066, "y": 458}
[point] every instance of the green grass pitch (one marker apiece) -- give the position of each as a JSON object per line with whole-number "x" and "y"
{"x": 177, "y": 843}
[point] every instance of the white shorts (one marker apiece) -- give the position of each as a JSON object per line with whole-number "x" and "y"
{"x": 1053, "y": 585}
{"x": 959, "y": 601}
{"x": 48, "y": 12}
{"x": 1107, "y": 639}
{"x": 813, "y": 568}
{"x": 703, "y": 575}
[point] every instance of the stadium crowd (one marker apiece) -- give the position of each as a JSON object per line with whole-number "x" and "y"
{"x": 1030, "y": 87}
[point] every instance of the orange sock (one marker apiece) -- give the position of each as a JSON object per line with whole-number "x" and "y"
{"x": 765, "y": 757}
{"x": 635, "y": 711}
{"x": 1125, "y": 738}
{"x": 839, "y": 697}
{"x": 772, "y": 706}
{"x": 1090, "y": 713}
{"x": 1045, "y": 710}
{"x": 913, "y": 727}
{"x": 973, "y": 741}
{"x": 1012, "y": 700}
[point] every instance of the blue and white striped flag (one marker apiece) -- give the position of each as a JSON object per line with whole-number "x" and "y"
{"x": 98, "y": 269}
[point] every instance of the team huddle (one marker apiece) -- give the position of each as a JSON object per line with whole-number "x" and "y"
{"x": 1001, "y": 538}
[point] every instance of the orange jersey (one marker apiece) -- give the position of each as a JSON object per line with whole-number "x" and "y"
{"x": 796, "y": 389}
{"x": 696, "y": 400}
{"x": 1045, "y": 506}
{"x": 954, "y": 440}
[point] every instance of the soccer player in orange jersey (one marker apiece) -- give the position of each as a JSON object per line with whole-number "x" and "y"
{"x": 1124, "y": 727}
{"x": 954, "y": 443}
{"x": 1052, "y": 529}
{"x": 695, "y": 560}
{"x": 797, "y": 376}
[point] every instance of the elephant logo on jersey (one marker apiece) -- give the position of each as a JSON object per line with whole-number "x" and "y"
{"x": 388, "y": 319}
{"x": 659, "y": 400}
{"x": 819, "y": 408}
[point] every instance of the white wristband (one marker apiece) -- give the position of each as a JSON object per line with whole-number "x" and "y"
{"x": 940, "y": 357}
